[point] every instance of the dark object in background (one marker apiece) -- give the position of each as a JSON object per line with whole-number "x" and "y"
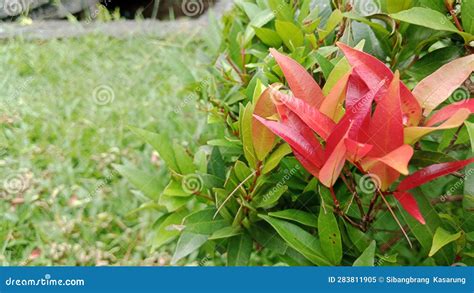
{"x": 84, "y": 9}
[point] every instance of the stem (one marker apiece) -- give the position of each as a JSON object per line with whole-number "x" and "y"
{"x": 455, "y": 137}
{"x": 352, "y": 189}
{"x": 451, "y": 10}
{"x": 366, "y": 220}
{"x": 395, "y": 218}
{"x": 334, "y": 198}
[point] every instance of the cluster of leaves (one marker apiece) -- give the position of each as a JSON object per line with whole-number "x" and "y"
{"x": 325, "y": 196}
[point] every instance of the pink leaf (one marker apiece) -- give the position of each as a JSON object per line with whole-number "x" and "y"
{"x": 447, "y": 112}
{"x": 430, "y": 173}
{"x": 437, "y": 87}
{"x": 409, "y": 203}
{"x": 300, "y": 81}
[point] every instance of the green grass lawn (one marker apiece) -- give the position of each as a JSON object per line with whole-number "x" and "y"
{"x": 65, "y": 107}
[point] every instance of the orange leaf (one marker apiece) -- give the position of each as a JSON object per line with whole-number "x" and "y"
{"x": 332, "y": 105}
{"x": 398, "y": 159}
{"x": 437, "y": 87}
{"x": 413, "y": 134}
{"x": 448, "y": 111}
{"x": 300, "y": 81}
{"x": 356, "y": 150}
{"x": 263, "y": 138}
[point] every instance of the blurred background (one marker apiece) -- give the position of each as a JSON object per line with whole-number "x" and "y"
{"x": 75, "y": 74}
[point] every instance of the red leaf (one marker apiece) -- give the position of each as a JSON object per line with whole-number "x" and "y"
{"x": 356, "y": 150}
{"x": 430, "y": 173}
{"x": 300, "y": 81}
{"x": 447, "y": 112}
{"x": 386, "y": 126}
{"x": 356, "y": 88}
{"x": 296, "y": 135}
{"x": 317, "y": 121}
{"x": 372, "y": 71}
{"x": 409, "y": 203}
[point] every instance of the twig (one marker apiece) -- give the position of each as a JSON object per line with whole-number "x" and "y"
{"x": 395, "y": 218}
{"x": 232, "y": 193}
{"x": 451, "y": 10}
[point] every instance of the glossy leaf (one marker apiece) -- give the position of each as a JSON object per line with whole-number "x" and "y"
{"x": 334, "y": 19}
{"x": 268, "y": 37}
{"x": 187, "y": 243}
{"x": 239, "y": 250}
{"x": 300, "y": 240}
{"x": 298, "y": 216}
{"x": 442, "y": 238}
{"x": 275, "y": 158}
{"x": 410, "y": 205}
{"x": 413, "y": 134}
{"x": 246, "y": 124}
{"x": 332, "y": 106}
{"x": 366, "y": 259}
{"x": 146, "y": 183}
{"x": 317, "y": 121}
{"x": 291, "y": 35}
{"x": 263, "y": 138}
{"x": 329, "y": 235}
{"x": 398, "y": 160}
{"x": 467, "y": 13}
{"x": 430, "y": 173}
{"x": 470, "y": 130}
{"x": 429, "y": 18}
{"x": 448, "y": 111}
{"x": 165, "y": 232}
{"x": 301, "y": 83}
{"x": 437, "y": 87}
{"x": 373, "y": 72}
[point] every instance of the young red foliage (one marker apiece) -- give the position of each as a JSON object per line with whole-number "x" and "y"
{"x": 409, "y": 203}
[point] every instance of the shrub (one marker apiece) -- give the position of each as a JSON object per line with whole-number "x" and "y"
{"x": 340, "y": 166}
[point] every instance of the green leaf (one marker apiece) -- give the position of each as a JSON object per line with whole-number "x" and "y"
{"x": 225, "y": 232}
{"x": 437, "y": 5}
{"x": 366, "y": 259}
{"x": 442, "y": 238}
{"x": 239, "y": 250}
{"x": 187, "y": 243}
{"x": 175, "y": 188}
{"x": 425, "y": 233}
{"x": 467, "y": 14}
{"x": 334, "y": 20}
{"x": 270, "y": 197}
{"x": 281, "y": 9}
{"x": 297, "y": 216}
{"x": 300, "y": 240}
{"x": 266, "y": 236}
{"x": 325, "y": 64}
{"x": 246, "y": 134}
{"x": 357, "y": 237}
{"x": 172, "y": 203}
{"x": 260, "y": 20}
{"x": 433, "y": 61}
{"x": 268, "y": 37}
{"x": 427, "y": 158}
{"x": 167, "y": 231}
{"x": 429, "y": 18}
{"x": 161, "y": 144}
{"x": 329, "y": 235}
{"x": 291, "y": 35}
{"x": 396, "y": 6}
{"x": 470, "y": 130}
{"x": 146, "y": 183}
{"x": 183, "y": 160}
{"x": 216, "y": 164}
{"x": 203, "y": 222}
{"x": 275, "y": 158}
